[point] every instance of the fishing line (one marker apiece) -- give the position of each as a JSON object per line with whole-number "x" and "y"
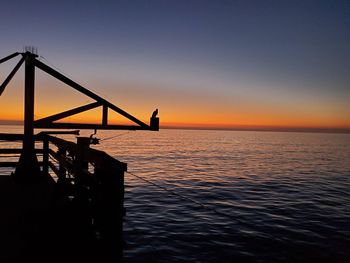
{"x": 116, "y": 136}
{"x": 202, "y": 205}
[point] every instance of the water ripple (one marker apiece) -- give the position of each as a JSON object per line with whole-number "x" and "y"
{"x": 281, "y": 197}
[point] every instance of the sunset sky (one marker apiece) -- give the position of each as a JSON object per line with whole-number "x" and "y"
{"x": 202, "y": 63}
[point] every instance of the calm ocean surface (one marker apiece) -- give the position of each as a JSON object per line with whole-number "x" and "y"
{"x": 268, "y": 196}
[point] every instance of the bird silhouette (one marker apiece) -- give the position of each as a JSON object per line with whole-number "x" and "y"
{"x": 155, "y": 113}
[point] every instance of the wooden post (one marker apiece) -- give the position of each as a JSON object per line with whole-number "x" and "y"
{"x": 45, "y": 155}
{"x": 83, "y": 145}
{"x": 61, "y": 166}
{"x": 28, "y": 141}
{"x": 154, "y": 123}
{"x": 82, "y": 191}
{"x": 109, "y": 204}
{"x": 105, "y": 115}
{"x": 28, "y": 169}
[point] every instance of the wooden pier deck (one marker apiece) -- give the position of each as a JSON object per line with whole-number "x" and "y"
{"x": 46, "y": 221}
{"x": 35, "y": 227}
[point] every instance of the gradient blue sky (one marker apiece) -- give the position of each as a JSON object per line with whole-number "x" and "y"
{"x": 229, "y": 63}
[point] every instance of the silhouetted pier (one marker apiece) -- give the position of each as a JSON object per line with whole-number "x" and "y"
{"x": 73, "y": 212}
{"x": 77, "y": 214}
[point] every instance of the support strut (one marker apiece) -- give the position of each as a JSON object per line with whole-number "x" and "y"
{"x": 28, "y": 169}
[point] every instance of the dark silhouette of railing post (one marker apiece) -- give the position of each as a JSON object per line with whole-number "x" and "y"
{"x": 109, "y": 204}
{"x": 62, "y": 182}
{"x": 83, "y": 146}
{"x": 61, "y": 167}
{"x": 154, "y": 123}
{"x": 82, "y": 186}
{"x": 45, "y": 155}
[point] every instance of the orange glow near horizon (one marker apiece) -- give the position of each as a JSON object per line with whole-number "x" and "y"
{"x": 176, "y": 109}
{"x": 223, "y": 121}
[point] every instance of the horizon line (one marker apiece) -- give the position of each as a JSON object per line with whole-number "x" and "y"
{"x": 233, "y": 128}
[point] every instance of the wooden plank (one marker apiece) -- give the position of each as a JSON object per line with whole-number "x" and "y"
{"x": 90, "y": 126}
{"x": 100, "y": 158}
{"x": 61, "y": 115}
{"x": 10, "y": 151}
{"x": 17, "y": 137}
{"x": 11, "y": 137}
{"x": 53, "y": 168}
{"x": 60, "y": 143}
{"x": 8, "y": 164}
{"x": 16, "y": 151}
{"x": 12, "y": 164}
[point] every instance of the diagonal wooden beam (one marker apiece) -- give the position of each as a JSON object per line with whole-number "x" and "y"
{"x": 10, "y": 76}
{"x": 87, "y": 92}
{"x": 65, "y": 114}
{"x": 9, "y": 57}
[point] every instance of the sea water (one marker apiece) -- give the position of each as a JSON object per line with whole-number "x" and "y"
{"x": 233, "y": 196}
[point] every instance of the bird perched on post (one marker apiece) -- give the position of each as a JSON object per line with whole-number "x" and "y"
{"x": 155, "y": 113}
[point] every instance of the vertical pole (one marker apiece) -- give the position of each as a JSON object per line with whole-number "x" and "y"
{"x": 62, "y": 152}
{"x": 109, "y": 206}
{"x": 28, "y": 141}
{"x": 28, "y": 165}
{"x": 83, "y": 146}
{"x": 82, "y": 187}
{"x": 45, "y": 155}
{"x": 104, "y": 115}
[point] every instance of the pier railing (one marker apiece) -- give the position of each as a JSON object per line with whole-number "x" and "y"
{"x": 89, "y": 178}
